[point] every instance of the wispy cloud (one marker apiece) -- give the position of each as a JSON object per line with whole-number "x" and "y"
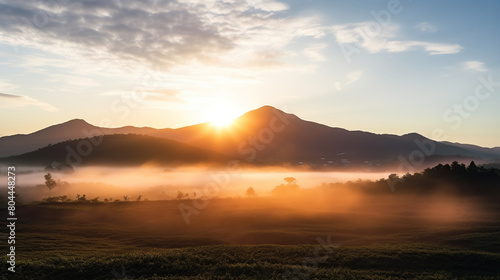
{"x": 163, "y": 34}
{"x": 315, "y": 52}
{"x": 354, "y": 76}
{"x": 13, "y": 101}
{"x": 7, "y": 86}
{"x": 426, "y": 27}
{"x": 431, "y": 48}
{"x": 351, "y": 78}
{"x": 360, "y": 35}
{"x": 474, "y": 65}
{"x": 338, "y": 86}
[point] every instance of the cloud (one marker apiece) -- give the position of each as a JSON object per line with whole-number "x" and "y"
{"x": 431, "y": 48}
{"x": 164, "y": 95}
{"x": 351, "y": 78}
{"x": 426, "y": 27}
{"x": 337, "y": 86}
{"x": 4, "y": 95}
{"x": 160, "y": 34}
{"x": 377, "y": 39}
{"x": 271, "y": 6}
{"x": 315, "y": 52}
{"x": 11, "y": 100}
{"x": 6, "y": 86}
{"x": 474, "y": 65}
{"x": 354, "y": 76}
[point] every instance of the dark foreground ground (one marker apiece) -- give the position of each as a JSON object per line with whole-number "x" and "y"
{"x": 260, "y": 238}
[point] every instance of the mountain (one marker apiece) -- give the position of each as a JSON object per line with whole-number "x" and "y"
{"x": 73, "y": 129}
{"x": 485, "y": 151}
{"x": 22, "y": 143}
{"x": 117, "y": 150}
{"x": 269, "y": 136}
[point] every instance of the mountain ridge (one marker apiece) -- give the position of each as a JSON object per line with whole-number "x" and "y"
{"x": 117, "y": 150}
{"x": 266, "y": 135}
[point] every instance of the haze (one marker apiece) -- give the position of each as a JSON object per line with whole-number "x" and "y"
{"x": 156, "y": 183}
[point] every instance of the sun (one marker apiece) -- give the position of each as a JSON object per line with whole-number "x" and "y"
{"x": 221, "y": 120}
{"x": 222, "y": 115}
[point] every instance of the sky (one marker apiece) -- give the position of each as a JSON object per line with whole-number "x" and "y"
{"x": 396, "y": 67}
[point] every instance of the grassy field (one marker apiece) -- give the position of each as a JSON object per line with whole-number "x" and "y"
{"x": 258, "y": 238}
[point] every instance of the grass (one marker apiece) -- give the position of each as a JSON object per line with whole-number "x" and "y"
{"x": 267, "y": 262}
{"x": 236, "y": 239}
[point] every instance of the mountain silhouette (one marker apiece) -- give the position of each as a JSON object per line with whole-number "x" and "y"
{"x": 22, "y": 143}
{"x": 73, "y": 129}
{"x": 270, "y": 136}
{"x": 117, "y": 150}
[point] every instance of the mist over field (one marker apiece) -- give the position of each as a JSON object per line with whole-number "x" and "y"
{"x": 276, "y": 218}
{"x": 156, "y": 183}
{"x": 368, "y": 198}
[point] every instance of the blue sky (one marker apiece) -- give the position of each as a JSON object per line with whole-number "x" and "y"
{"x": 429, "y": 67}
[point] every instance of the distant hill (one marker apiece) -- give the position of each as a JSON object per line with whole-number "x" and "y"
{"x": 118, "y": 150}
{"x": 73, "y": 129}
{"x": 485, "y": 151}
{"x": 270, "y": 136}
{"x": 274, "y": 136}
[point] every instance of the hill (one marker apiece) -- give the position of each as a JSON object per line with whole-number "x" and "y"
{"x": 118, "y": 149}
{"x": 270, "y": 136}
{"x": 73, "y": 129}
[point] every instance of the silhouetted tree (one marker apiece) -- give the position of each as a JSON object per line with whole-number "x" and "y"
{"x": 458, "y": 169}
{"x": 250, "y": 192}
{"x": 394, "y": 177}
{"x": 290, "y": 180}
{"x": 290, "y": 188}
{"x": 472, "y": 167}
{"x": 181, "y": 195}
{"x": 50, "y": 183}
{"x": 467, "y": 180}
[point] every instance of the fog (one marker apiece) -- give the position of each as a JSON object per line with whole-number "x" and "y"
{"x": 293, "y": 213}
{"x": 157, "y": 183}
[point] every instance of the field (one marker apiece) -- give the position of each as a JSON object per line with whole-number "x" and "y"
{"x": 260, "y": 238}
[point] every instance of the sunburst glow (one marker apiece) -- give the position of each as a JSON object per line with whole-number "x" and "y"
{"x": 222, "y": 114}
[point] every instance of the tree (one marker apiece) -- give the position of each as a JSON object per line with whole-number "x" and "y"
{"x": 290, "y": 188}
{"x": 139, "y": 198}
{"x": 472, "y": 167}
{"x": 458, "y": 169}
{"x": 50, "y": 183}
{"x": 250, "y": 192}
{"x": 181, "y": 195}
{"x": 290, "y": 180}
